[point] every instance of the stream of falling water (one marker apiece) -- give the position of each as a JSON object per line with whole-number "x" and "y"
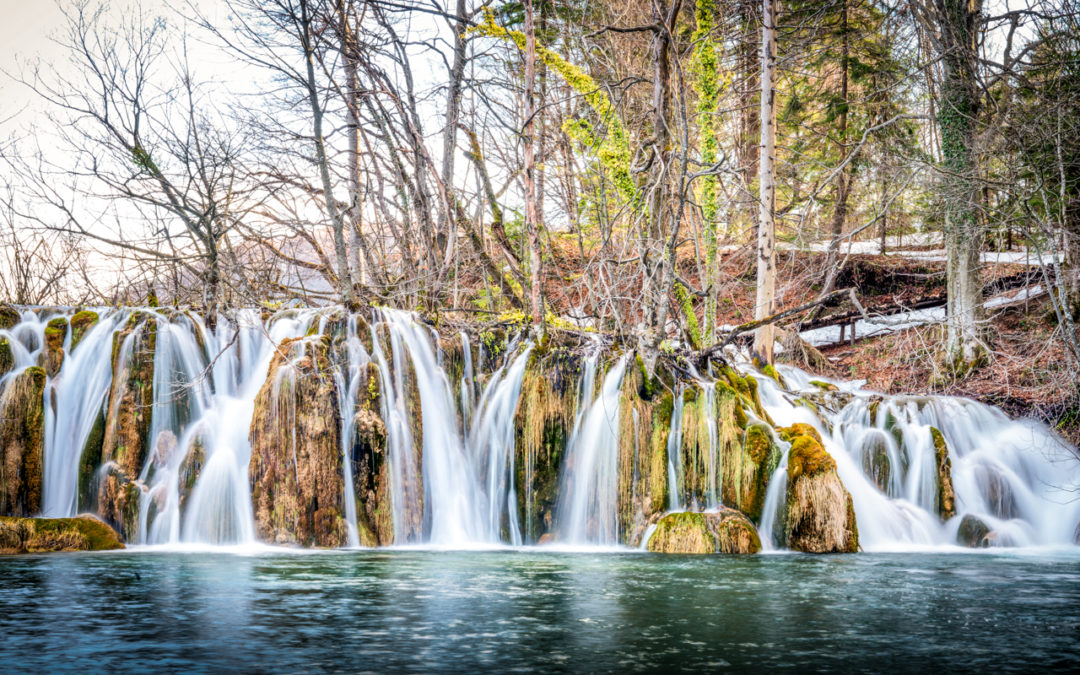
{"x": 451, "y": 445}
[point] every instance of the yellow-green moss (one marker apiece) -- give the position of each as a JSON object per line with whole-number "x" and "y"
{"x": 726, "y": 531}
{"x": 81, "y": 322}
{"x": 7, "y": 359}
{"x": 946, "y": 497}
{"x": 45, "y": 535}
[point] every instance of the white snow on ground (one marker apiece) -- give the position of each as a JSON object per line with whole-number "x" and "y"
{"x": 904, "y": 320}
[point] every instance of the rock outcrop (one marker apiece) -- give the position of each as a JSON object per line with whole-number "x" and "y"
{"x": 9, "y": 317}
{"x": 726, "y": 531}
{"x": 946, "y": 496}
{"x": 295, "y": 470}
{"x": 543, "y": 422}
{"x": 52, "y": 357}
{"x": 748, "y": 468}
{"x": 81, "y": 323}
{"x": 820, "y": 515}
{"x": 22, "y": 443}
{"x": 125, "y": 443}
{"x": 644, "y": 420}
{"x": 50, "y": 535}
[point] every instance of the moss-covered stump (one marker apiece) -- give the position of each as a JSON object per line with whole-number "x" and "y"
{"x": 125, "y": 443}
{"x": 545, "y": 415}
{"x": 726, "y": 531}
{"x": 22, "y": 443}
{"x": 295, "y": 470}
{"x": 644, "y": 420}
{"x": 973, "y": 533}
{"x": 820, "y": 515}
{"x": 51, "y": 535}
{"x": 747, "y": 468}
{"x": 946, "y": 496}
{"x": 9, "y": 317}
{"x": 81, "y": 323}
{"x": 52, "y": 357}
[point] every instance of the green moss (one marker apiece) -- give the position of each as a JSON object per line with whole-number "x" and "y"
{"x": 807, "y": 458}
{"x": 81, "y": 322}
{"x": 89, "y": 461}
{"x": 682, "y": 533}
{"x": 946, "y": 497}
{"x": 44, "y": 535}
{"x": 7, "y": 359}
{"x": 789, "y": 434}
{"x": 824, "y": 386}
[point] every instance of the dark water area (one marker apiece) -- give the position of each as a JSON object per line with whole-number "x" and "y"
{"x": 424, "y": 611}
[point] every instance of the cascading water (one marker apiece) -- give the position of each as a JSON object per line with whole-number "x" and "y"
{"x": 1014, "y": 475}
{"x": 467, "y": 479}
{"x": 588, "y": 509}
{"x": 450, "y": 445}
{"x": 79, "y": 392}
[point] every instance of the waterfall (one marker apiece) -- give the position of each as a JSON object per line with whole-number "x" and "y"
{"x": 1017, "y": 476}
{"x": 588, "y": 509}
{"x": 451, "y": 466}
{"x": 674, "y": 454}
{"x": 467, "y": 479}
{"x": 80, "y": 392}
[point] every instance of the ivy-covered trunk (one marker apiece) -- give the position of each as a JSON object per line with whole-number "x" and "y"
{"x": 957, "y": 117}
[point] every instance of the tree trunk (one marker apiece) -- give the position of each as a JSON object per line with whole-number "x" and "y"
{"x": 956, "y": 120}
{"x": 766, "y": 264}
{"x": 345, "y": 286}
{"x": 352, "y": 124}
{"x": 453, "y": 94}
{"x": 843, "y": 179}
{"x": 532, "y": 211}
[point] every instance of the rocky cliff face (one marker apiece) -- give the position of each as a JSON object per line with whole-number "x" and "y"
{"x": 297, "y": 484}
{"x": 22, "y": 443}
{"x": 125, "y": 441}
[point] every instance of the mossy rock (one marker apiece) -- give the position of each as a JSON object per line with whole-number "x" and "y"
{"x": 53, "y": 354}
{"x": 789, "y": 434}
{"x": 295, "y": 468}
{"x": 946, "y": 496}
{"x": 726, "y": 531}
{"x": 50, "y": 535}
{"x": 22, "y": 443}
{"x": 7, "y": 358}
{"x": 820, "y": 515}
{"x": 747, "y": 469}
{"x": 973, "y": 533}
{"x": 824, "y": 386}
{"x": 9, "y": 317}
{"x": 81, "y": 323}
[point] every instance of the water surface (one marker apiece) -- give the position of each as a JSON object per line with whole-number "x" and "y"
{"x": 423, "y": 610}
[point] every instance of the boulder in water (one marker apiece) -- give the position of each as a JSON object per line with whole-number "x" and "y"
{"x": 974, "y": 533}
{"x": 725, "y": 531}
{"x": 946, "y": 497}
{"x": 789, "y": 434}
{"x": 49, "y": 535}
{"x": 22, "y": 443}
{"x": 820, "y": 514}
